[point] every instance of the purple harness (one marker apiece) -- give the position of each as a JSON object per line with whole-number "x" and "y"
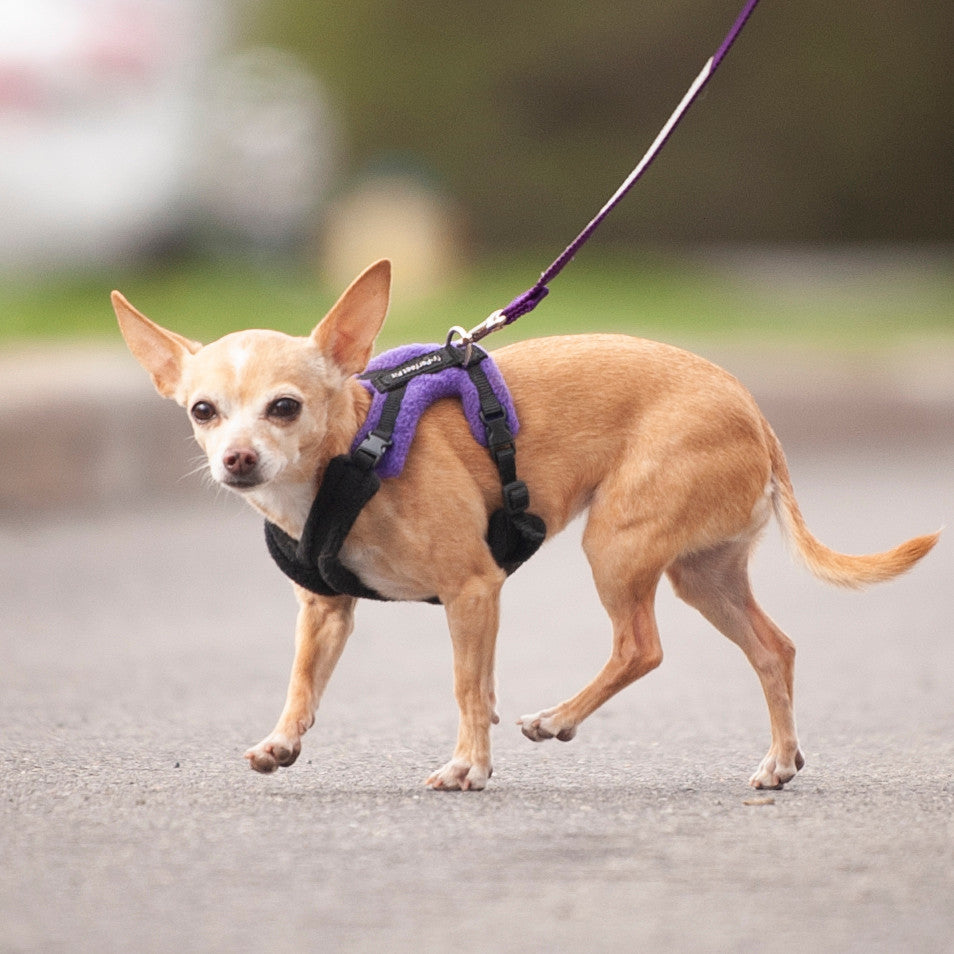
{"x": 404, "y": 383}
{"x": 426, "y": 384}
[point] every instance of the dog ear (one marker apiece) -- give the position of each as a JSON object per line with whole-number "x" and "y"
{"x": 162, "y": 353}
{"x": 346, "y": 334}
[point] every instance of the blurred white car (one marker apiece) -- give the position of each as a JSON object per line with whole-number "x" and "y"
{"x": 97, "y": 109}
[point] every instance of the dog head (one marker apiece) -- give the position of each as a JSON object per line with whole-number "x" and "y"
{"x": 266, "y": 406}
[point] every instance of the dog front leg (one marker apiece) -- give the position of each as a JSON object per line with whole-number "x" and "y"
{"x": 323, "y": 627}
{"x": 473, "y": 616}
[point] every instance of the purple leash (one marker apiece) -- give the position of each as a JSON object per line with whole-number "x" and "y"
{"x": 533, "y": 296}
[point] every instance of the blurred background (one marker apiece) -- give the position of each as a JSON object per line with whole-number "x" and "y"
{"x": 229, "y": 163}
{"x": 234, "y": 163}
{"x": 319, "y": 135}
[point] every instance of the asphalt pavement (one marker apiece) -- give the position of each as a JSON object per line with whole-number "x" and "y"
{"x": 146, "y": 640}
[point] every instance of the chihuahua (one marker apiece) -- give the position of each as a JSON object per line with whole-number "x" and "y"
{"x": 669, "y": 454}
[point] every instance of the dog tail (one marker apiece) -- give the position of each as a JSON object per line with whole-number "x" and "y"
{"x": 839, "y": 569}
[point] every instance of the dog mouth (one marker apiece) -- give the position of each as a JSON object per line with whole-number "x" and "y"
{"x": 242, "y": 482}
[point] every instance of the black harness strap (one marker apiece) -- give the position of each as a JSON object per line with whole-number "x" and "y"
{"x": 512, "y": 534}
{"x": 350, "y": 481}
{"x": 372, "y": 448}
{"x": 312, "y": 562}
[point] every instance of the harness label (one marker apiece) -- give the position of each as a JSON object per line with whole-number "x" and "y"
{"x": 398, "y": 374}
{"x": 430, "y": 363}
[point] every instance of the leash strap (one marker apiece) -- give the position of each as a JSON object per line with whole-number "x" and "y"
{"x": 532, "y": 297}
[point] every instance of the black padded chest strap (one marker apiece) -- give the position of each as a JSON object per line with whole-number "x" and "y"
{"x": 312, "y": 562}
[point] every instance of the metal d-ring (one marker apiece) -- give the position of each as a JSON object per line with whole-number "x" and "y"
{"x": 466, "y": 342}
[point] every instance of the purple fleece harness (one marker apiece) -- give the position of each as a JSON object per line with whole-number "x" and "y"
{"x": 401, "y": 392}
{"x": 422, "y": 391}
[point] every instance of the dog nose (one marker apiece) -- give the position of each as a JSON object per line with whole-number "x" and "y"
{"x": 241, "y": 461}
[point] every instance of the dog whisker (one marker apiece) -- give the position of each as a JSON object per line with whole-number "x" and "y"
{"x": 203, "y": 471}
{"x": 201, "y": 467}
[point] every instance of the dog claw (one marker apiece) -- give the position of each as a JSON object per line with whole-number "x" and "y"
{"x": 773, "y": 773}
{"x": 543, "y": 726}
{"x": 459, "y": 775}
{"x": 273, "y": 753}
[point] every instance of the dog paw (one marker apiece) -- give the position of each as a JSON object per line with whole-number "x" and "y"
{"x": 545, "y": 725}
{"x": 277, "y": 751}
{"x": 775, "y": 770}
{"x": 460, "y": 775}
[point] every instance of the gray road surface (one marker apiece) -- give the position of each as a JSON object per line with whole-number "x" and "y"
{"x": 142, "y": 652}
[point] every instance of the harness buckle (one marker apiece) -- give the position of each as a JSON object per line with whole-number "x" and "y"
{"x": 498, "y": 433}
{"x": 516, "y": 497}
{"x": 369, "y": 452}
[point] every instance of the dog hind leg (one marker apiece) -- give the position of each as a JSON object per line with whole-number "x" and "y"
{"x": 716, "y": 583}
{"x": 626, "y": 576}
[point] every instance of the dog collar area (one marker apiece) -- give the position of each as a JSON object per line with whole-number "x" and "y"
{"x": 403, "y": 383}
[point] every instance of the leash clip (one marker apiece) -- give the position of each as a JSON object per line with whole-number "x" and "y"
{"x": 494, "y": 321}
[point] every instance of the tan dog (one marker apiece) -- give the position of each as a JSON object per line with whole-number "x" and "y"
{"x": 678, "y": 468}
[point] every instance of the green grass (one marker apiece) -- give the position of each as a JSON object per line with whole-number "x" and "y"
{"x": 668, "y": 298}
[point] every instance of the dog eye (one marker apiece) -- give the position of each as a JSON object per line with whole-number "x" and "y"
{"x": 203, "y": 412}
{"x": 284, "y": 409}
